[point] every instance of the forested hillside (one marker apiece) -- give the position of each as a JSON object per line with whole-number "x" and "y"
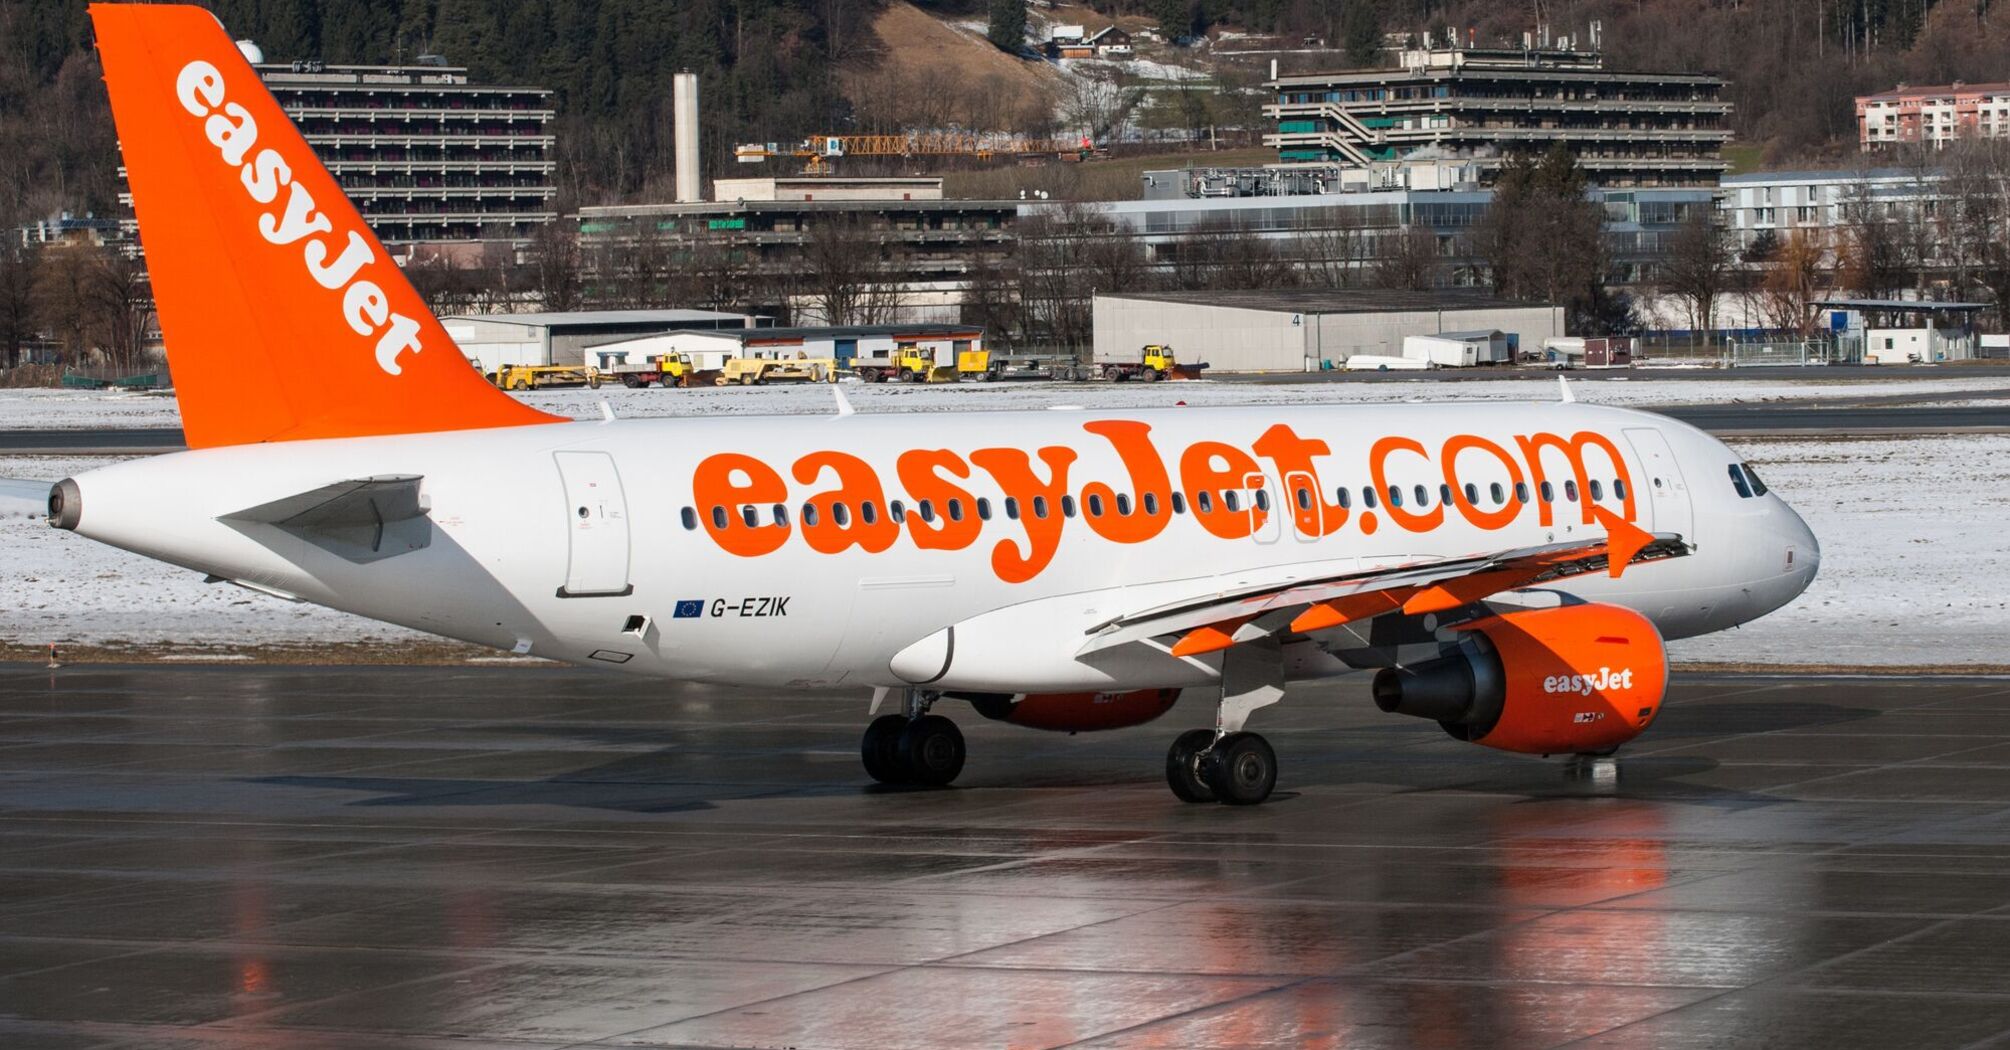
{"x": 780, "y": 69}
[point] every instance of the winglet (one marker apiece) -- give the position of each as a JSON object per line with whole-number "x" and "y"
{"x": 1563, "y": 383}
{"x": 1623, "y": 539}
{"x": 844, "y": 403}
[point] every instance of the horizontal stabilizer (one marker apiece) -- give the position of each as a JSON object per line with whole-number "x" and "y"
{"x": 363, "y": 519}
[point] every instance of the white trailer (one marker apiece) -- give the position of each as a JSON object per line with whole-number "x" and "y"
{"x": 1443, "y": 351}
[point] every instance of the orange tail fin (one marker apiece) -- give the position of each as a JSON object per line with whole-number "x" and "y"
{"x": 284, "y": 317}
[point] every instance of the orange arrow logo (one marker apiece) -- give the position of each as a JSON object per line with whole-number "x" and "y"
{"x": 1623, "y": 539}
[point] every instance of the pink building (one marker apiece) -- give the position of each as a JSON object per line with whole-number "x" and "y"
{"x": 1935, "y": 115}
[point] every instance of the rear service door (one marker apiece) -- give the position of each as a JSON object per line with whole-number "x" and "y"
{"x": 596, "y": 515}
{"x": 1662, "y": 490}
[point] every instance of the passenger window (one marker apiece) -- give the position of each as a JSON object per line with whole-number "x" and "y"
{"x": 1068, "y": 506}
{"x": 1178, "y": 503}
{"x": 840, "y": 515}
{"x": 1123, "y": 505}
{"x": 1521, "y": 492}
{"x": 1444, "y": 494}
{"x": 751, "y": 516}
{"x": 1423, "y": 496}
{"x": 1738, "y": 482}
{"x": 1345, "y": 497}
{"x": 810, "y": 517}
{"x": 1203, "y": 502}
{"x": 690, "y": 518}
{"x": 897, "y": 511}
{"x": 955, "y": 510}
{"x": 1262, "y": 498}
{"x": 983, "y": 509}
{"x": 1499, "y": 494}
{"x": 781, "y": 512}
{"x": 1548, "y": 493}
{"x": 1597, "y": 491}
{"x": 1012, "y": 508}
{"x": 1368, "y": 497}
{"x": 1570, "y": 491}
{"x": 1758, "y": 487}
{"x": 1231, "y": 499}
{"x": 1095, "y": 506}
{"x": 1039, "y": 506}
{"x": 1472, "y": 494}
{"x": 926, "y": 509}
{"x": 1304, "y": 498}
{"x": 1618, "y": 488}
{"x": 1395, "y": 496}
{"x": 868, "y": 512}
{"x": 1151, "y": 504}
{"x": 719, "y": 515}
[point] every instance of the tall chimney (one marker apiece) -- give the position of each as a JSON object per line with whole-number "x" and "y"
{"x": 684, "y": 139}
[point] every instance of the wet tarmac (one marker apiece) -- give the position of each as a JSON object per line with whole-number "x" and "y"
{"x": 342, "y": 858}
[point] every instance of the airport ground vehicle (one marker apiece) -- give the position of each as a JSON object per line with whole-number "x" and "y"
{"x": 1509, "y": 571}
{"x": 667, "y": 369}
{"x": 1154, "y": 363}
{"x": 755, "y": 371}
{"x": 531, "y": 377}
{"x": 911, "y": 363}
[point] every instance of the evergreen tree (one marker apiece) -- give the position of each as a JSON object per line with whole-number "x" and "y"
{"x": 1008, "y": 25}
{"x": 1362, "y": 26}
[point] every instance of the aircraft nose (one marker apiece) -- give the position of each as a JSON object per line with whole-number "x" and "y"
{"x": 1803, "y": 551}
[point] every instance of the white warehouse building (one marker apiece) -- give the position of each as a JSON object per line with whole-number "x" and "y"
{"x": 1306, "y": 330}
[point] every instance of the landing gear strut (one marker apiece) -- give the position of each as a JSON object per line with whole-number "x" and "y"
{"x": 913, "y": 747}
{"x": 1225, "y": 764}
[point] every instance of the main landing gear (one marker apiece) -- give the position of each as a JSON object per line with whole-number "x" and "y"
{"x": 1226, "y": 764}
{"x": 913, "y": 747}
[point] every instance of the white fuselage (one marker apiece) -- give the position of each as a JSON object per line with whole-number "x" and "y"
{"x": 591, "y": 542}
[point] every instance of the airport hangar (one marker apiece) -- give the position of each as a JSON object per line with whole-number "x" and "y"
{"x": 494, "y": 340}
{"x": 1305, "y": 330}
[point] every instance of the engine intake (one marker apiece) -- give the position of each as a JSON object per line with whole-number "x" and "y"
{"x": 1579, "y": 678}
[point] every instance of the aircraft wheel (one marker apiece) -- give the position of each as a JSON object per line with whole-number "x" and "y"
{"x": 1183, "y": 766}
{"x": 931, "y": 749}
{"x": 880, "y": 749}
{"x": 1242, "y": 769}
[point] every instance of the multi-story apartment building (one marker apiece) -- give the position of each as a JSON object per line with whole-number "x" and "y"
{"x": 425, "y": 155}
{"x": 1626, "y": 129}
{"x": 1934, "y": 116}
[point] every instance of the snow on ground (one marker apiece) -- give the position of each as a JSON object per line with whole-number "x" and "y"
{"x": 74, "y": 409}
{"x": 1911, "y": 559}
{"x": 1913, "y": 555}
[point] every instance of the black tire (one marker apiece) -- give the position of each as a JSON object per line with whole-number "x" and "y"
{"x": 1113, "y": 373}
{"x": 880, "y": 749}
{"x": 1150, "y": 375}
{"x": 931, "y": 751}
{"x": 632, "y": 381}
{"x": 1183, "y": 766}
{"x": 1242, "y": 769}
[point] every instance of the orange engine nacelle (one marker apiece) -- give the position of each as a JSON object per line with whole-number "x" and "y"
{"x": 1078, "y": 712}
{"x": 1576, "y": 679}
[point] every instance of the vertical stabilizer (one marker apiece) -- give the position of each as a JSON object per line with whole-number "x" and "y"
{"x": 284, "y": 317}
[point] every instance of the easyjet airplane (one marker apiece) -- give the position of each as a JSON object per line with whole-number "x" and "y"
{"x": 1510, "y": 571}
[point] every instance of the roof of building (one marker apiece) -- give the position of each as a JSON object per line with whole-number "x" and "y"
{"x": 1920, "y": 305}
{"x": 1906, "y": 91}
{"x": 783, "y": 335}
{"x": 1338, "y": 301}
{"x": 591, "y": 318}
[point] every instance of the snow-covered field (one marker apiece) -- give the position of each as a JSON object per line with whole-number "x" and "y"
{"x": 1911, "y": 530}
{"x": 73, "y": 409}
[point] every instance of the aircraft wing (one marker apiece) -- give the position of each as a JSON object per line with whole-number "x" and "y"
{"x": 362, "y": 519}
{"x": 1218, "y": 620}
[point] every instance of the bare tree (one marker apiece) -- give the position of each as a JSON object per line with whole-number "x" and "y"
{"x": 18, "y": 266}
{"x": 1791, "y": 281}
{"x": 1872, "y": 257}
{"x": 553, "y": 258}
{"x": 1697, "y": 268}
{"x": 1223, "y": 253}
{"x": 1409, "y": 260}
{"x": 847, "y": 277}
{"x": 1977, "y": 198}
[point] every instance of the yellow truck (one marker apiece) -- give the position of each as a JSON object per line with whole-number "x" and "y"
{"x": 667, "y": 369}
{"x": 911, "y": 363}
{"x": 1154, "y": 363}
{"x": 531, "y": 377}
{"x": 755, "y": 371}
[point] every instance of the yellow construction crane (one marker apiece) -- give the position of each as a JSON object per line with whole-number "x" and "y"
{"x": 819, "y": 153}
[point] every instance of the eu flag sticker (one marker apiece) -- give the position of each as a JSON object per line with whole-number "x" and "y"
{"x": 689, "y": 609}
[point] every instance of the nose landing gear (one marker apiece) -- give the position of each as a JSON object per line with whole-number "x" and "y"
{"x": 914, "y": 747}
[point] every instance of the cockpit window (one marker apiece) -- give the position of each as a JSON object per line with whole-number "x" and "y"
{"x": 1758, "y": 487}
{"x": 1738, "y": 482}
